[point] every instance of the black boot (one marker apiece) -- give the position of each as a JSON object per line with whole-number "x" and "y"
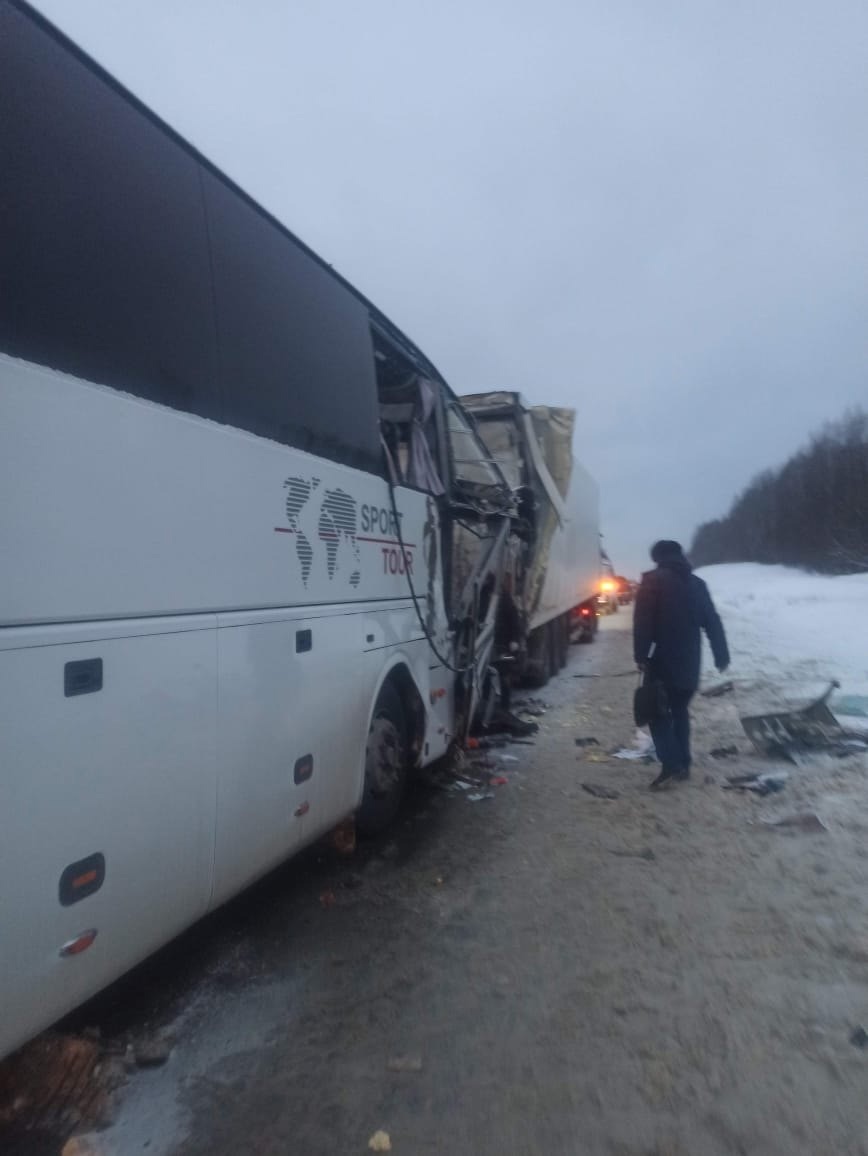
{"x": 667, "y": 775}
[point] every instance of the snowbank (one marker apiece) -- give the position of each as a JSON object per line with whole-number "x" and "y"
{"x": 792, "y": 630}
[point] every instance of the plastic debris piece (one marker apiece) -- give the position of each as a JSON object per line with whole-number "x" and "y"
{"x": 767, "y": 784}
{"x": 600, "y": 792}
{"x": 634, "y": 755}
{"x": 79, "y": 1146}
{"x": 380, "y": 1142}
{"x": 808, "y": 821}
{"x": 153, "y": 1052}
{"x": 344, "y": 837}
{"x": 642, "y": 749}
{"x": 478, "y": 796}
{"x": 498, "y": 781}
{"x": 404, "y": 1064}
{"x": 718, "y": 689}
{"x": 643, "y": 853}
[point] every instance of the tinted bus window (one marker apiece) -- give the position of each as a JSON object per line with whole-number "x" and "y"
{"x": 103, "y": 244}
{"x": 297, "y": 360}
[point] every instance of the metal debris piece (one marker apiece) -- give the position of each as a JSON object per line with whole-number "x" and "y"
{"x": 600, "y": 792}
{"x": 758, "y": 784}
{"x": 152, "y": 1052}
{"x": 808, "y": 821}
{"x": 404, "y": 1064}
{"x": 718, "y": 689}
{"x": 785, "y": 734}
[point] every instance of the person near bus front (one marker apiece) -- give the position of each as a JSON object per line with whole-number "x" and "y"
{"x": 673, "y": 607}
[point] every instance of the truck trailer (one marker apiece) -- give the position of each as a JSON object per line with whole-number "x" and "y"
{"x": 553, "y": 568}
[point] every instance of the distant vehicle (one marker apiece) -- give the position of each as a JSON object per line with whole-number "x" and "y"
{"x": 625, "y": 590}
{"x": 608, "y": 601}
{"x": 553, "y": 561}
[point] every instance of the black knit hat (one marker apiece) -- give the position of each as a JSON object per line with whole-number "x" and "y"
{"x": 666, "y": 550}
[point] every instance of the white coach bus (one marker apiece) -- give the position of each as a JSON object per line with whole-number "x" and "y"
{"x": 250, "y": 544}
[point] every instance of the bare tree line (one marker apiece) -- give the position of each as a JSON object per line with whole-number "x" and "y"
{"x": 812, "y": 512}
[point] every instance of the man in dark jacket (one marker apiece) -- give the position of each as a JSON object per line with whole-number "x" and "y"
{"x": 672, "y": 607}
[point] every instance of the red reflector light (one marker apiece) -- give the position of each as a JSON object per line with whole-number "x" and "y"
{"x": 585, "y": 612}
{"x": 79, "y": 944}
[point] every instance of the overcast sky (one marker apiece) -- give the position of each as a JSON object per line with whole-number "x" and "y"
{"x": 655, "y": 211}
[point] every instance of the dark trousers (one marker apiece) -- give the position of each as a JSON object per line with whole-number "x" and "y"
{"x": 671, "y": 733}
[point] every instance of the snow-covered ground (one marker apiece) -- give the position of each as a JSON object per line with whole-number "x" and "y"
{"x": 791, "y": 633}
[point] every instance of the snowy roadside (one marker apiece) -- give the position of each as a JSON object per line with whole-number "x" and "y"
{"x": 791, "y": 633}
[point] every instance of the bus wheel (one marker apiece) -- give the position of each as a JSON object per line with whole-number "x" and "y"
{"x": 385, "y": 765}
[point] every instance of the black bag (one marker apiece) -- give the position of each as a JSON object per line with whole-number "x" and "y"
{"x": 650, "y": 701}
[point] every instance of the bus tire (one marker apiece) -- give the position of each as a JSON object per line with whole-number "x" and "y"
{"x": 386, "y": 757}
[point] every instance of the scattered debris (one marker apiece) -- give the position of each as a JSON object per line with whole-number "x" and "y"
{"x": 589, "y": 742}
{"x": 352, "y": 881}
{"x": 768, "y": 784}
{"x": 789, "y": 734}
{"x": 380, "y": 1142}
{"x": 808, "y": 821}
{"x": 505, "y": 722}
{"x": 343, "y": 837}
{"x": 478, "y": 796}
{"x": 718, "y": 689}
{"x": 859, "y": 1037}
{"x": 152, "y": 1052}
{"x": 327, "y": 899}
{"x": 600, "y": 792}
{"x": 59, "y": 1085}
{"x": 79, "y": 1146}
{"x": 645, "y": 853}
{"x": 533, "y": 706}
{"x": 724, "y": 752}
{"x": 642, "y": 749}
{"x": 498, "y": 781}
{"x": 507, "y": 758}
{"x": 404, "y": 1064}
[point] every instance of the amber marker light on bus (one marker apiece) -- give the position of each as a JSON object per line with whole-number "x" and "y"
{"x": 79, "y": 944}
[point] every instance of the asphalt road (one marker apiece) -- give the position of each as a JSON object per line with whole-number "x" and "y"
{"x": 544, "y": 971}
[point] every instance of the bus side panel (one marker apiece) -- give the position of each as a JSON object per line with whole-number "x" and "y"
{"x": 107, "y": 748}
{"x": 131, "y": 509}
{"x": 296, "y": 696}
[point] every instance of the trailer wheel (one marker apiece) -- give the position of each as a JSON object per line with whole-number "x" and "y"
{"x": 563, "y": 635}
{"x": 385, "y": 764}
{"x": 553, "y": 648}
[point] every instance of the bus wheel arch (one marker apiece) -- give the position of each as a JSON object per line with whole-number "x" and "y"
{"x": 394, "y": 744}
